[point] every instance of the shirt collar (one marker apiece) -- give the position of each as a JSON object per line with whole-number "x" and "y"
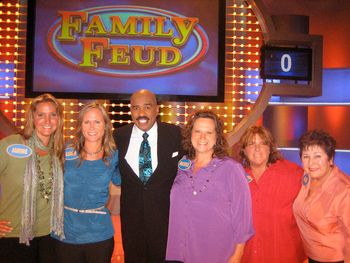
{"x": 151, "y": 132}
{"x": 212, "y": 164}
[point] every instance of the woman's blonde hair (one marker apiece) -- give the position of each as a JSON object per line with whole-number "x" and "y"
{"x": 29, "y": 127}
{"x": 108, "y": 144}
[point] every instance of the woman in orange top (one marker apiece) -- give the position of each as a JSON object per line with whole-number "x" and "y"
{"x": 322, "y": 208}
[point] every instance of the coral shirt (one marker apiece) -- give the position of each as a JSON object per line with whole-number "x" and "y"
{"x": 324, "y": 218}
{"x": 277, "y": 237}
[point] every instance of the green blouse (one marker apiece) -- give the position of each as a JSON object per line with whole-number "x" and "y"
{"x": 12, "y": 169}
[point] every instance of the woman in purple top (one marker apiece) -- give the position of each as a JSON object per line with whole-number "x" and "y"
{"x": 210, "y": 207}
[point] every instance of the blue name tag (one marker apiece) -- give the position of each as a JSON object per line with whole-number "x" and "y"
{"x": 19, "y": 150}
{"x": 305, "y": 179}
{"x": 248, "y": 177}
{"x": 184, "y": 164}
{"x": 71, "y": 154}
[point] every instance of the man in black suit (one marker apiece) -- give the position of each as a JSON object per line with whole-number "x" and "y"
{"x": 145, "y": 205}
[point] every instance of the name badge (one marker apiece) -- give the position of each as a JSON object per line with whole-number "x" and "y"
{"x": 19, "y": 150}
{"x": 248, "y": 177}
{"x": 306, "y": 179}
{"x": 71, "y": 154}
{"x": 184, "y": 164}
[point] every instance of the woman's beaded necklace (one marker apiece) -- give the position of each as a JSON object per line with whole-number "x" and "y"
{"x": 203, "y": 188}
{"x": 45, "y": 190}
{"x": 92, "y": 153}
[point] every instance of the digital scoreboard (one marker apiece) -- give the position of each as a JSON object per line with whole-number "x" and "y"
{"x": 286, "y": 63}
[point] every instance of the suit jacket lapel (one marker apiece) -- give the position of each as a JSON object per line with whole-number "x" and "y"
{"x": 123, "y": 149}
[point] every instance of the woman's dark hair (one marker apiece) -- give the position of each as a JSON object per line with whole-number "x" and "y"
{"x": 318, "y": 138}
{"x": 266, "y": 137}
{"x": 220, "y": 147}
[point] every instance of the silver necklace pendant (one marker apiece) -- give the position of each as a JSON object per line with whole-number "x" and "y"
{"x": 92, "y": 153}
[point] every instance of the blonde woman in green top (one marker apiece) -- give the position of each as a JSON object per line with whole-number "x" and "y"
{"x": 31, "y": 185}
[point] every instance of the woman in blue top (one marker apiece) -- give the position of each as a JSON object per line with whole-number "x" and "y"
{"x": 90, "y": 165}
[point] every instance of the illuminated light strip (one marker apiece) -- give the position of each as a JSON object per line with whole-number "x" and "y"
{"x": 9, "y": 13}
{"x": 242, "y": 69}
{"x": 11, "y": 30}
{"x": 244, "y": 93}
{"x": 246, "y": 61}
{"x": 311, "y": 103}
{"x": 243, "y": 21}
{"x": 9, "y": 5}
{"x": 9, "y": 37}
{"x": 242, "y": 30}
{"x": 243, "y": 38}
{"x": 239, "y": 53}
{"x": 9, "y": 21}
{"x": 12, "y": 70}
{"x": 243, "y": 77}
{"x": 243, "y": 45}
{"x": 249, "y": 53}
{"x": 188, "y": 114}
{"x": 239, "y": 14}
{"x": 250, "y": 30}
{"x": 243, "y": 84}
{"x": 234, "y": 6}
{"x": 14, "y": 46}
{"x": 297, "y": 149}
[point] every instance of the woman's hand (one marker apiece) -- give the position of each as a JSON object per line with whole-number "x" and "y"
{"x": 5, "y": 227}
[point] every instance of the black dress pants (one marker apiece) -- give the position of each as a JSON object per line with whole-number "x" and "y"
{"x": 41, "y": 250}
{"x": 99, "y": 252}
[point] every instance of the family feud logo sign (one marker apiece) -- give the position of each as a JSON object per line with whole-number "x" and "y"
{"x": 102, "y": 50}
{"x": 127, "y": 41}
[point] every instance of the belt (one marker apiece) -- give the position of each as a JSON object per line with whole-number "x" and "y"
{"x": 87, "y": 211}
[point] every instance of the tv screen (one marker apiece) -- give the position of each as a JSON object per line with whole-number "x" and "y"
{"x": 108, "y": 49}
{"x": 286, "y": 63}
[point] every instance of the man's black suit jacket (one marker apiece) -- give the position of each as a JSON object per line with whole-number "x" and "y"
{"x": 144, "y": 209}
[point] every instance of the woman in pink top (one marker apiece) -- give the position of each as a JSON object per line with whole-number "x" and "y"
{"x": 322, "y": 208}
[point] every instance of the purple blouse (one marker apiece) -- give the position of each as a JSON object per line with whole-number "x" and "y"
{"x": 210, "y": 212}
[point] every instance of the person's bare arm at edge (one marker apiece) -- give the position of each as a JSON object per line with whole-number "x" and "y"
{"x": 237, "y": 255}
